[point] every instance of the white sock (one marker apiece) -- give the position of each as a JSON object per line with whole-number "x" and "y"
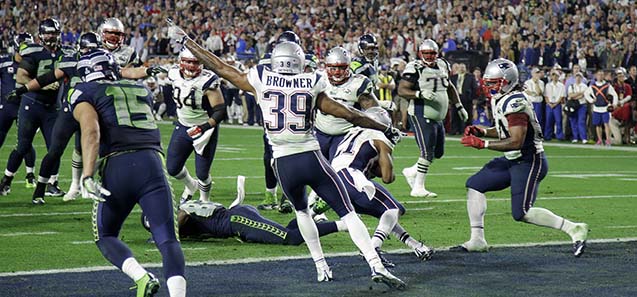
{"x": 30, "y": 169}
{"x": 188, "y": 181}
{"x": 53, "y": 179}
{"x": 311, "y": 198}
{"x": 360, "y": 237}
{"x": 385, "y": 225}
{"x": 310, "y": 234}
{"x": 43, "y": 180}
{"x": 544, "y": 217}
{"x": 403, "y": 236}
{"x": 176, "y": 286}
{"x": 8, "y": 173}
{"x": 133, "y": 269}
{"x": 476, "y": 207}
{"x": 340, "y": 226}
{"x": 161, "y": 109}
{"x": 422, "y": 169}
{"x": 204, "y": 189}
{"x": 272, "y": 191}
{"x": 76, "y": 171}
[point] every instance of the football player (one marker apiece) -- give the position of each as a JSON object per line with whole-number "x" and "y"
{"x": 38, "y": 109}
{"x": 65, "y": 125}
{"x": 207, "y": 219}
{"x": 9, "y": 106}
{"x": 232, "y": 94}
{"x": 363, "y": 154}
{"x": 287, "y": 96}
{"x": 132, "y": 172}
{"x": 523, "y": 166}
{"x": 366, "y": 63}
{"x": 200, "y": 110}
{"x": 113, "y": 37}
{"x": 426, "y": 85}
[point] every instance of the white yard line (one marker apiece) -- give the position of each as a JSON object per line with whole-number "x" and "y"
{"x": 28, "y": 233}
{"x": 572, "y": 145}
{"x": 35, "y": 214}
{"x": 284, "y": 258}
{"x": 434, "y": 200}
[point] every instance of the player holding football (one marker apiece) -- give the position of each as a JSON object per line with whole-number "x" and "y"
{"x": 523, "y": 166}
{"x": 9, "y": 106}
{"x": 200, "y": 110}
{"x": 287, "y": 97}
{"x": 131, "y": 169}
{"x": 426, "y": 85}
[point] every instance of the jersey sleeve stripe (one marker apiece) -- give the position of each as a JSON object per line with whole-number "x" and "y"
{"x": 364, "y": 86}
{"x": 508, "y": 100}
{"x": 260, "y": 71}
{"x": 6, "y": 64}
{"x": 30, "y": 50}
{"x": 210, "y": 84}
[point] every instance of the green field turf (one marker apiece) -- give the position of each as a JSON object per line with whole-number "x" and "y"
{"x": 591, "y": 185}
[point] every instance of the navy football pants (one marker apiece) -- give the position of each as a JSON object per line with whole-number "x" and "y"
{"x": 8, "y": 115}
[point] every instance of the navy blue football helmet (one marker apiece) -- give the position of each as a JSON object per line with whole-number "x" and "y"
{"x": 288, "y": 36}
{"x": 89, "y": 41}
{"x": 49, "y": 32}
{"x": 368, "y": 46}
{"x": 21, "y": 38}
{"x": 98, "y": 64}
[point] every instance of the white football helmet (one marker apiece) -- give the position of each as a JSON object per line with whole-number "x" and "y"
{"x": 337, "y": 65}
{"x": 500, "y": 77}
{"x": 428, "y": 51}
{"x": 288, "y": 58}
{"x": 112, "y": 31}
{"x": 189, "y": 65}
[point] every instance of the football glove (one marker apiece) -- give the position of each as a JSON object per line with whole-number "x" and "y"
{"x": 154, "y": 70}
{"x": 472, "y": 141}
{"x": 176, "y": 33}
{"x": 14, "y": 96}
{"x": 474, "y": 130}
{"x": 91, "y": 189}
{"x": 196, "y": 131}
{"x": 393, "y": 134}
{"x": 426, "y": 94}
{"x": 462, "y": 113}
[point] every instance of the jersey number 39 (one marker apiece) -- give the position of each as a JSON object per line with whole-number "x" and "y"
{"x": 291, "y": 112}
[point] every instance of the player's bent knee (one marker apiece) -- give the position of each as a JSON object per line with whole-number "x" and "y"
{"x": 172, "y": 169}
{"x": 518, "y": 214}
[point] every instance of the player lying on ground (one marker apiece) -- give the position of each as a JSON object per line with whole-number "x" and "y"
{"x": 523, "y": 166}
{"x": 206, "y": 219}
{"x": 287, "y": 97}
{"x": 363, "y": 154}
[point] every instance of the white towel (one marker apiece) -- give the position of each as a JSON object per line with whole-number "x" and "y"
{"x": 200, "y": 142}
{"x": 362, "y": 184}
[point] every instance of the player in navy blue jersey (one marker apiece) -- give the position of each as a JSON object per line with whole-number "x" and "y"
{"x": 523, "y": 166}
{"x": 366, "y": 63}
{"x": 116, "y": 119}
{"x": 9, "y": 106}
{"x": 65, "y": 125}
{"x": 287, "y": 97}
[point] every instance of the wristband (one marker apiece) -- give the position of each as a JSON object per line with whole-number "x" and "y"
{"x": 205, "y": 127}
{"x": 486, "y": 144}
{"x": 459, "y": 105}
{"x": 417, "y": 94}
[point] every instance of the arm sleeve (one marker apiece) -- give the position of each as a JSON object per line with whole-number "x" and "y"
{"x": 29, "y": 65}
{"x": 518, "y": 119}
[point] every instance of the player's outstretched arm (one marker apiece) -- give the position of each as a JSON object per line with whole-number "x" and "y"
{"x": 85, "y": 114}
{"x": 221, "y": 68}
{"x": 385, "y": 162}
{"x": 37, "y": 83}
{"x": 328, "y": 105}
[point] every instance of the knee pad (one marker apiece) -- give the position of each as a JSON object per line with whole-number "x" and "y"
{"x": 518, "y": 214}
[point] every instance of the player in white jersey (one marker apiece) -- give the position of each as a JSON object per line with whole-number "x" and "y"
{"x": 362, "y": 155}
{"x": 426, "y": 85}
{"x": 522, "y": 167}
{"x": 200, "y": 110}
{"x": 287, "y": 97}
{"x": 113, "y": 37}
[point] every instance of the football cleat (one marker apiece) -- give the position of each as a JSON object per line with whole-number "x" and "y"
{"x": 383, "y": 260}
{"x": 423, "y": 193}
{"x": 269, "y": 202}
{"x": 5, "y": 186}
{"x": 580, "y": 234}
{"x": 147, "y": 286}
{"x": 324, "y": 274}
{"x": 38, "y": 201}
{"x": 410, "y": 176}
{"x": 285, "y": 206}
{"x": 473, "y": 245}
{"x": 423, "y": 252}
{"x": 319, "y": 218}
{"x": 388, "y": 279}
{"x": 71, "y": 195}
{"x": 30, "y": 180}
{"x": 320, "y": 206}
{"x": 53, "y": 190}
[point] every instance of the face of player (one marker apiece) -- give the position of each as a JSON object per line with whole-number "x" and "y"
{"x": 493, "y": 86}
{"x": 113, "y": 39}
{"x": 190, "y": 67}
{"x": 429, "y": 57}
{"x": 370, "y": 53}
{"x": 337, "y": 74}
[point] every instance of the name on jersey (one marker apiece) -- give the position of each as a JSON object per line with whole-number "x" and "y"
{"x": 297, "y": 83}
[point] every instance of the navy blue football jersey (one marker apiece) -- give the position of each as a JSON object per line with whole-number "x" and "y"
{"x": 125, "y": 114}
{"x": 8, "y": 68}
{"x": 68, "y": 65}
{"x": 38, "y": 60}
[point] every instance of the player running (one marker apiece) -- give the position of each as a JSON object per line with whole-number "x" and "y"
{"x": 523, "y": 166}
{"x": 426, "y": 85}
{"x": 131, "y": 169}
{"x": 287, "y": 97}
{"x": 9, "y": 106}
{"x": 200, "y": 110}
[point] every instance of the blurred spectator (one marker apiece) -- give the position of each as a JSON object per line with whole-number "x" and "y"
{"x": 577, "y": 118}
{"x": 534, "y": 90}
{"x": 603, "y": 97}
{"x": 621, "y": 121}
{"x": 137, "y": 42}
{"x": 466, "y": 86}
{"x": 554, "y": 93}
{"x": 214, "y": 43}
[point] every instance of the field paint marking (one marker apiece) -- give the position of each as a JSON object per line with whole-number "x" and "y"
{"x": 508, "y": 199}
{"x": 28, "y": 233}
{"x": 70, "y": 213}
{"x": 284, "y": 258}
{"x": 572, "y": 145}
{"x": 420, "y": 209}
{"x": 620, "y": 227}
{"x": 467, "y": 168}
{"x": 83, "y": 242}
{"x": 586, "y": 176}
{"x": 628, "y": 179}
{"x": 183, "y": 249}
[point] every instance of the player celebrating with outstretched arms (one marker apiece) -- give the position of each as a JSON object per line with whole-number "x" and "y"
{"x": 287, "y": 97}
{"x": 523, "y": 166}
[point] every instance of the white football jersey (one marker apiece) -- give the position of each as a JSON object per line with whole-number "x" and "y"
{"x": 435, "y": 79}
{"x": 346, "y": 94}
{"x": 125, "y": 55}
{"x": 287, "y": 103}
{"x": 357, "y": 150}
{"x": 188, "y": 95}
{"x": 516, "y": 102}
